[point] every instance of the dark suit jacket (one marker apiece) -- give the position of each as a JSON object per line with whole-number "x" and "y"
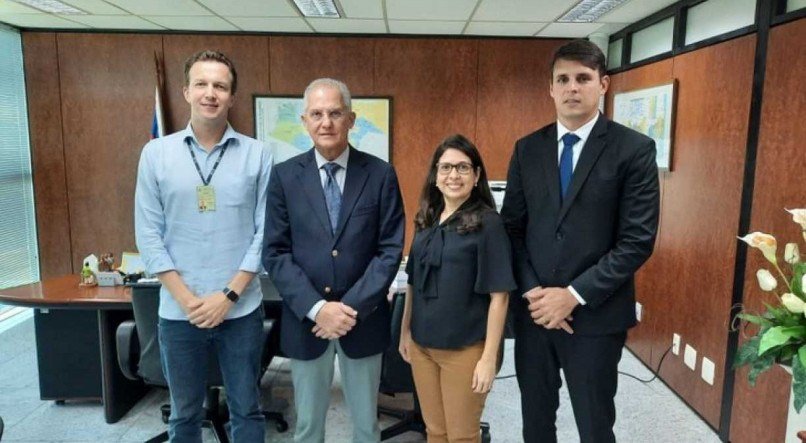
{"x": 600, "y": 235}
{"x": 357, "y": 264}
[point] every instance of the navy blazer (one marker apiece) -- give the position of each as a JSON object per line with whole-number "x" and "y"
{"x": 308, "y": 263}
{"x": 601, "y": 233}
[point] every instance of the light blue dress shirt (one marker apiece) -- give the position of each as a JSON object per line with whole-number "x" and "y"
{"x": 207, "y": 249}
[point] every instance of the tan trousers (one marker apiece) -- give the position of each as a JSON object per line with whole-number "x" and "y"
{"x": 451, "y": 410}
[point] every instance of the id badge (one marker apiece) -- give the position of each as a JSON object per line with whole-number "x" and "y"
{"x": 205, "y": 195}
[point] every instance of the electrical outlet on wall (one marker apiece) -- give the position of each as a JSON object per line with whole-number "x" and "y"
{"x": 639, "y": 311}
{"x": 708, "y": 370}
{"x": 690, "y": 357}
{"x": 676, "y": 344}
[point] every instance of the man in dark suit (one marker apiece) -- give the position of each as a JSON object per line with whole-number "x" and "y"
{"x": 333, "y": 243}
{"x": 581, "y": 208}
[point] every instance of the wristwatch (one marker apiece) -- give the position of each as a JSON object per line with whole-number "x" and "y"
{"x": 232, "y": 295}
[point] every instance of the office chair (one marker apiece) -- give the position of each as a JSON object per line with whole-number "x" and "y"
{"x": 1, "y": 428}
{"x": 139, "y": 359}
{"x": 396, "y": 378}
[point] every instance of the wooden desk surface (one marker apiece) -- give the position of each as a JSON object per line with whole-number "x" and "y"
{"x": 65, "y": 293}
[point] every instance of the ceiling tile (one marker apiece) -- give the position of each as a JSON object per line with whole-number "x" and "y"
{"x": 192, "y": 23}
{"x": 349, "y": 26}
{"x": 161, "y": 7}
{"x": 612, "y": 28}
{"x": 9, "y": 7}
{"x": 634, "y": 10}
{"x": 95, "y": 7}
{"x": 504, "y": 28}
{"x": 38, "y": 21}
{"x": 362, "y": 8}
{"x": 266, "y": 24}
{"x": 429, "y": 9}
{"x": 115, "y": 22}
{"x": 251, "y": 8}
{"x": 569, "y": 30}
{"x": 522, "y": 10}
{"x": 425, "y": 27}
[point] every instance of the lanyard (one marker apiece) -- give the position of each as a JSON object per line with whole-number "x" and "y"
{"x": 198, "y": 168}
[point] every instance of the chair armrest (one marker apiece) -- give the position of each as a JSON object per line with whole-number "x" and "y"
{"x": 128, "y": 349}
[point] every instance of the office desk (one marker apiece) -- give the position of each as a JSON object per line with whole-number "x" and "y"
{"x": 75, "y": 341}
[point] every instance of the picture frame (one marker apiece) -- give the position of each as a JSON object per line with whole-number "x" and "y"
{"x": 278, "y": 123}
{"x": 650, "y": 111}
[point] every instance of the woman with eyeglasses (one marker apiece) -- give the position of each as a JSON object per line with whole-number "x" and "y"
{"x": 460, "y": 272}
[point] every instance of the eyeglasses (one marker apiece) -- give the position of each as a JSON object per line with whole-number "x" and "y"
{"x": 463, "y": 168}
{"x": 335, "y": 115}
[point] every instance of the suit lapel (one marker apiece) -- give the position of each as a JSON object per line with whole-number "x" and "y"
{"x": 587, "y": 159}
{"x": 353, "y": 186}
{"x": 551, "y": 169}
{"x": 311, "y": 184}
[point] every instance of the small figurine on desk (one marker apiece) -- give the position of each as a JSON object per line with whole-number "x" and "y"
{"x": 106, "y": 263}
{"x": 87, "y": 276}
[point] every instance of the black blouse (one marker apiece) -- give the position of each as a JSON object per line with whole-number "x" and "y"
{"x": 452, "y": 276}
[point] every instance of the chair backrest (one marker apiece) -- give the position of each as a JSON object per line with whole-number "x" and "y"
{"x": 395, "y": 372}
{"x": 145, "y": 303}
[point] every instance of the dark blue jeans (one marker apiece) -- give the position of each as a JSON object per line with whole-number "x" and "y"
{"x": 185, "y": 352}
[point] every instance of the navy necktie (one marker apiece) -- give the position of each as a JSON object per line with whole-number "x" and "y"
{"x": 567, "y": 162}
{"x": 332, "y": 194}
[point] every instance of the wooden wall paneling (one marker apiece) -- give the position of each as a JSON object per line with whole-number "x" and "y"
{"x": 433, "y": 83}
{"x": 759, "y": 413}
{"x": 513, "y": 97}
{"x": 249, "y": 54}
{"x": 644, "y": 340}
{"x": 47, "y": 153}
{"x": 107, "y": 83}
{"x": 296, "y": 61}
{"x": 701, "y": 210}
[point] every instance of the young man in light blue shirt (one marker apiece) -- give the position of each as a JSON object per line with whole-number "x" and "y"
{"x": 199, "y": 214}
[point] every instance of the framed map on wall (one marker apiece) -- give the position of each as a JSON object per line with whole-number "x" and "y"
{"x": 278, "y": 123}
{"x": 650, "y": 111}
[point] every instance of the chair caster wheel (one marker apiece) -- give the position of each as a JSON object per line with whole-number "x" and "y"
{"x": 166, "y": 413}
{"x": 485, "y": 433}
{"x": 281, "y": 426}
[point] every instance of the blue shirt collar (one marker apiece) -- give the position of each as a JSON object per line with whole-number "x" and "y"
{"x": 229, "y": 134}
{"x": 341, "y": 160}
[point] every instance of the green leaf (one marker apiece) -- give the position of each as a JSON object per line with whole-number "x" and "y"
{"x": 778, "y": 336}
{"x": 747, "y": 353}
{"x": 799, "y": 382}
{"x": 755, "y": 319}
{"x": 759, "y": 366}
{"x": 802, "y": 355}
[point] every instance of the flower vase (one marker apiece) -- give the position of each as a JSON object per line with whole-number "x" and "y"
{"x": 795, "y": 421}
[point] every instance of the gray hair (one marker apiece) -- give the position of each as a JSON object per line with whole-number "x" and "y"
{"x": 332, "y": 83}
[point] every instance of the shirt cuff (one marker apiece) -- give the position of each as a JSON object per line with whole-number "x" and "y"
{"x": 160, "y": 264}
{"x": 251, "y": 263}
{"x": 576, "y": 295}
{"x": 315, "y": 310}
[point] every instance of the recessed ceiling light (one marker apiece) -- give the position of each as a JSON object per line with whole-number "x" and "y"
{"x": 318, "y": 8}
{"x": 587, "y": 11}
{"x": 52, "y": 6}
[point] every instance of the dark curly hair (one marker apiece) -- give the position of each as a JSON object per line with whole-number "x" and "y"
{"x": 432, "y": 203}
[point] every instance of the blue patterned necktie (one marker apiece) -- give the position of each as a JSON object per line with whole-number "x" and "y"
{"x": 332, "y": 194}
{"x": 567, "y": 162}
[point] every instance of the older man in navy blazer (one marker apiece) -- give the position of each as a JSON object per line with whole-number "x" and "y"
{"x": 333, "y": 243}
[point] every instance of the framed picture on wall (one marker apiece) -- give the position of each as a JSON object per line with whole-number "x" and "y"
{"x": 278, "y": 123}
{"x": 650, "y": 111}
